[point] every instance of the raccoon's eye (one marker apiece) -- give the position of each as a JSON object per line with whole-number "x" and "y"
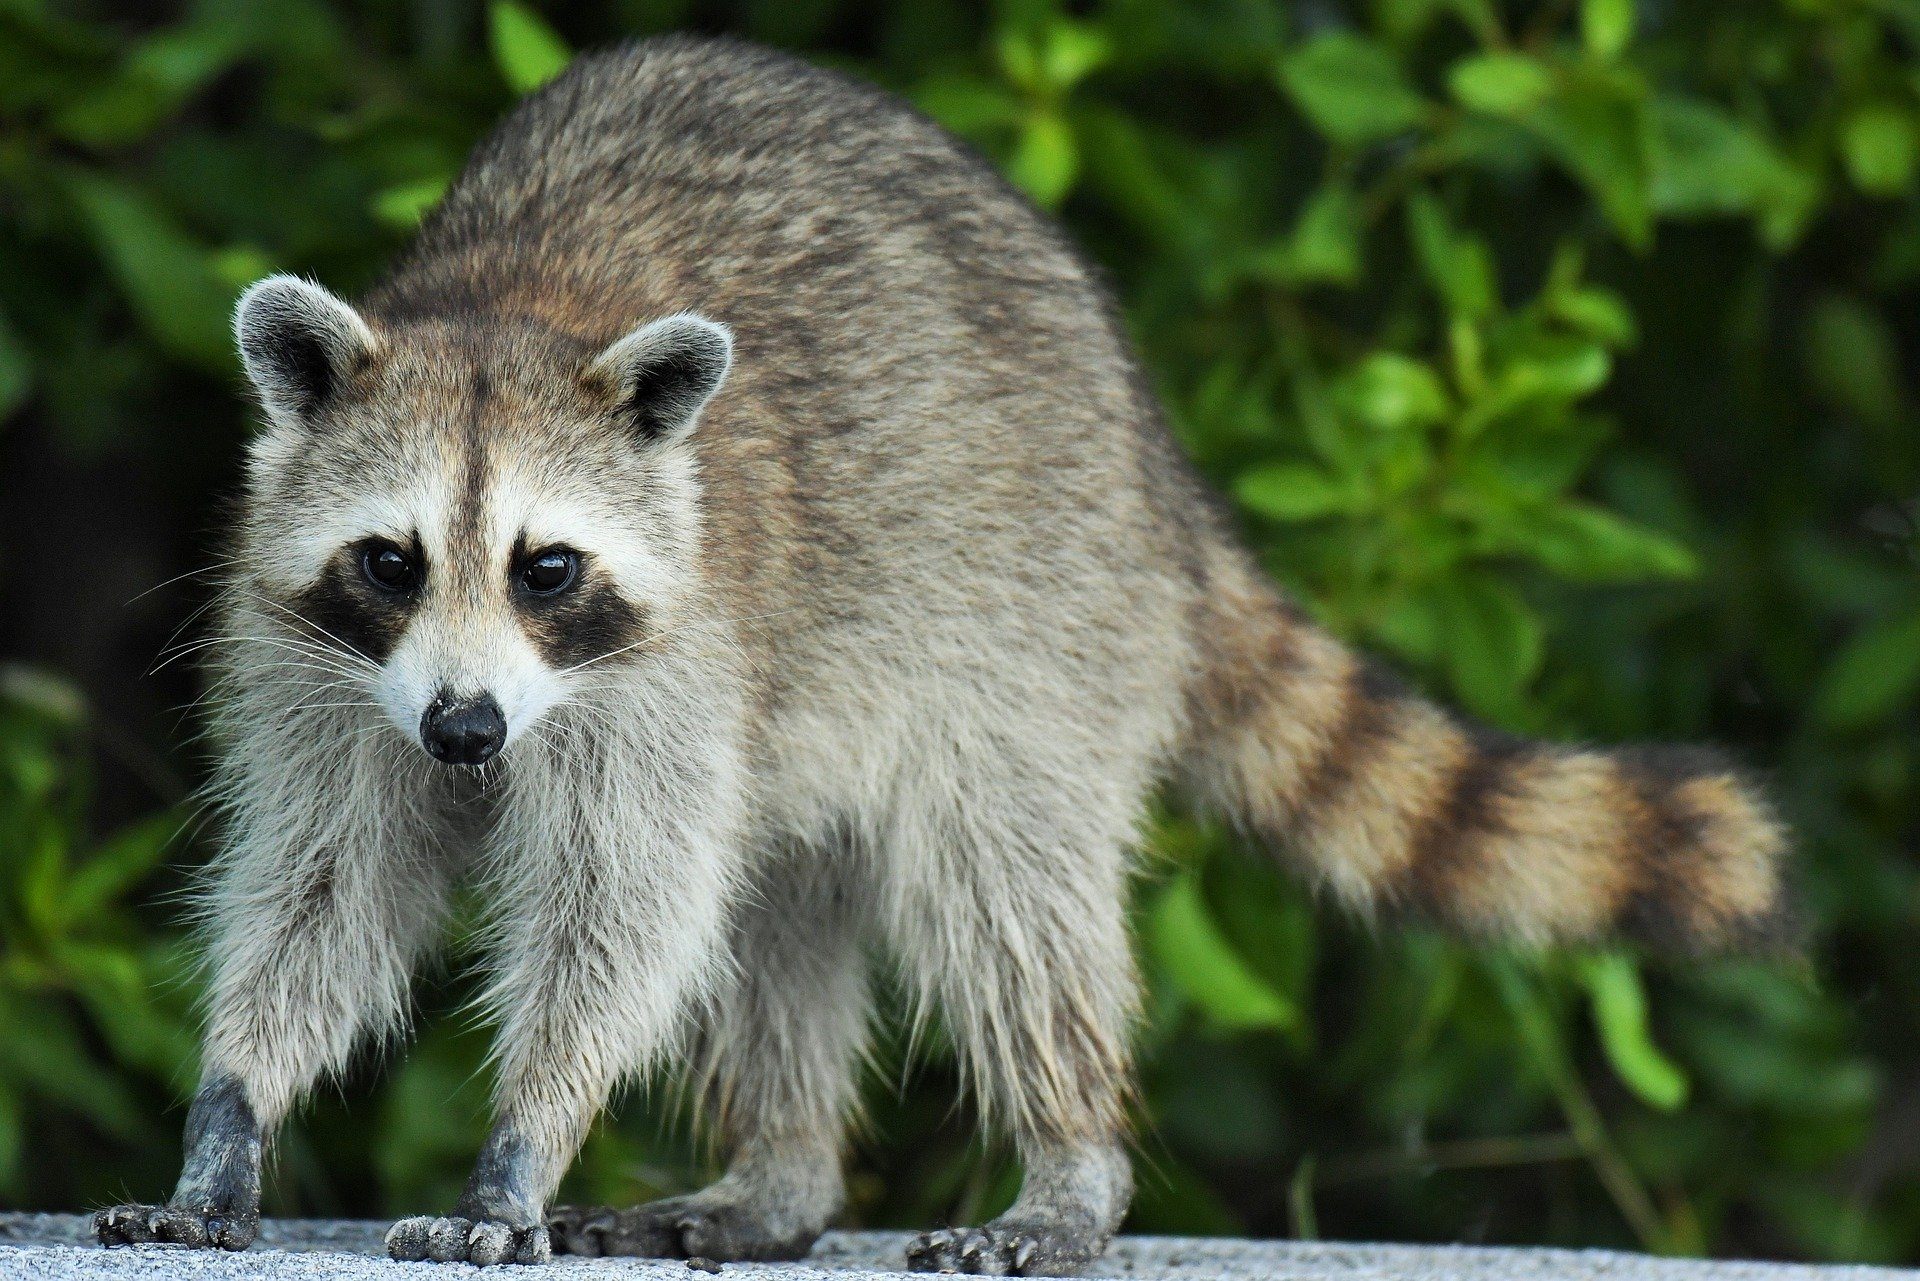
{"x": 388, "y": 568}
{"x": 551, "y": 572}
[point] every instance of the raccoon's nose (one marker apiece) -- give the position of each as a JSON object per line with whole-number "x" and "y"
{"x": 463, "y": 733}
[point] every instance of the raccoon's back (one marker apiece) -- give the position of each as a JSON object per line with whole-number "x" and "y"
{"x": 931, "y": 404}
{"x": 682, "y": 167}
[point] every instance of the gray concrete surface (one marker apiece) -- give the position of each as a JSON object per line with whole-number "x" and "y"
{"x": 57, "y": 1247}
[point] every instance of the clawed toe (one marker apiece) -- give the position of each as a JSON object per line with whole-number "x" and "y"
{"x": 1000, "y": 1251}
{"x": 175, "y": 1225}
{"x": 452, "y": 1239}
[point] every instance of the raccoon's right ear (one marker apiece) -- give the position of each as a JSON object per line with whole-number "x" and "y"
{"x": 296, "y": 342}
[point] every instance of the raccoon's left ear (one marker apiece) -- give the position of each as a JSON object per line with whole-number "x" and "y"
{"x": 663, "y": 373}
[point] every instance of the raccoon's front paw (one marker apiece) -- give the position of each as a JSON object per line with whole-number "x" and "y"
{"x": 1002, "y": 1249}
{"x": 697, "y": 1226}
{"x": 174, "y": 1225}
{"x": 456, "y": 1240}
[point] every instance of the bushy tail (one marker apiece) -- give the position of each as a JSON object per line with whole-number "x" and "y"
{"x": 1396, "y": 804}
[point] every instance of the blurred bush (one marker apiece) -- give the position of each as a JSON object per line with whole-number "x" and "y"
{"x": 1558, "y": 350}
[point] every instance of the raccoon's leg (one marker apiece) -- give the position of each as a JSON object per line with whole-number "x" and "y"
{"x": 779, "y": 1068}
{"x": 613, "y": 864}
{"x": 319, "y": 911}
{"x": 1020, "y": 937}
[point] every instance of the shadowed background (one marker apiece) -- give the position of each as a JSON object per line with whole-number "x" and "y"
{"x": 1561, "y": 352}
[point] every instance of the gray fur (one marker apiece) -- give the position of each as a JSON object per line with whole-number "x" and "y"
{"x": 901, "y": 602}
{"x": 776, "y": 1065}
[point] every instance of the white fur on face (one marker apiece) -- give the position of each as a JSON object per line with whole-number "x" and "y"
{"x": 464, "y": 637}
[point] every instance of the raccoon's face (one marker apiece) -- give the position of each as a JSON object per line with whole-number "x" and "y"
{"x": 467, "y": 526}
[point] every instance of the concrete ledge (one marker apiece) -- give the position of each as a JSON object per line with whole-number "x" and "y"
{"x": 58, "y": 1247}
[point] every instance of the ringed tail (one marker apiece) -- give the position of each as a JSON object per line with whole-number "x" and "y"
{"x": 1397, "y": 804}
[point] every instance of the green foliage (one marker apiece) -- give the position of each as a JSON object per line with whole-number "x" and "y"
{"x": 1560, "y": 351}
{"x": 87, "y": 994}
{"x": 528, "y": 51}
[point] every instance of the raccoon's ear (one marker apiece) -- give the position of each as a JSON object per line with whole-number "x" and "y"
{"x": 663, "y": 373}
{"x": 297, "y": 341}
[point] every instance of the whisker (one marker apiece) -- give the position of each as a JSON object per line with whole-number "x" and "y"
{"x": 188, "y": 621}
{"x": 344, "y": 648}
{"x": 671, "y": 631}
{"x": 192, "y": 573}
{"x": 306, "y": 649}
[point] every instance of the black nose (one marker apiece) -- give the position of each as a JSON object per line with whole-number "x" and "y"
{"x": 465, "y": 732}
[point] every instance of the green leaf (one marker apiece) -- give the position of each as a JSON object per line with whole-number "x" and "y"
{"x": 237, "y": 266}
{"x": 1588, "y": 544}
{"x": 1324, "y": 246}
{"x": 1559, "y": 368}
{"x": 1707, "y": 162}
{"x": 1500, "y": 84}
{"x": 168, "y": 278}
{"x": 160, "y": 75}
{"x": 1480, "y": 17}
{"x": 1193, "y": 952}
{"x": 967, "y": 104}
{"x": 1620, "y": 1016}
{"x": 1494, "y": 644}
{"x": 1046, "y": 160}
{"x": 1599, "y": 127}
{"x": 1875, "y": 675}
{"x": 1073, "y": 51}
{"x": 1881, "y": 146}
{"x": 1598, "y": 313}
{"x": 117, "y": 864}
{"x": 1351, "y": 88}
{"x": 1293, "y": 492}
{"x": 1854, "y": 360}
{"x": 1148, "y": 177}
{"x": 1408, "y": 623}
{"x": 1394, "y": 392}
{"x": 1057, "y": 57}
{"x": 1606, "y": 26}
{"x": 1459, "y": 266}
{"x": 527, "y": 50}
{"x": 1520, "y": 469}
{"x": 403, "y": 206}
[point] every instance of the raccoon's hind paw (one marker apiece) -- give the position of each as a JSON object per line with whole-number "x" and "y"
{"x": 596, "y": 1231}
{"x": 456, "y": 1240}
{"x": 698, "y": 1226}
{"x": 1005, "y": 1249}
{"x": 174, "y": 1225}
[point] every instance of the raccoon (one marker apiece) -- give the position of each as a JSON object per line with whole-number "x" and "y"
{"x": 737, "y": 538}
